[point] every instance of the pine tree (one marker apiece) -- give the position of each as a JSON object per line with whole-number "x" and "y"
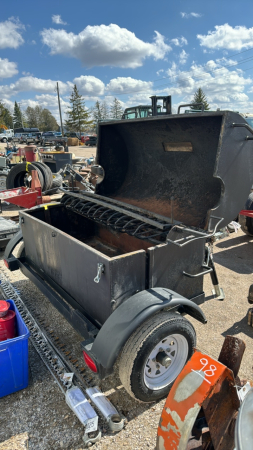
{"x": 97, "y": 112}
{"x": 17, "y": 116}
{"x": 105, "y": 110}
{"x": 100, "y": 111}
{"x": 116, "y": 109}
{"x": 78, "y": 115}
{"x": 199, "y": 97}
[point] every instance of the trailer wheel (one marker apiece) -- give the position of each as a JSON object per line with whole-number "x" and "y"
{"x": 20, "y": 253}
{"x": 155, "y": 354}
{"x": 21, "y": 250}
{"x": 247, "y": 222}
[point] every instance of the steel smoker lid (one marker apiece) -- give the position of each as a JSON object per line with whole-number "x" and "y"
{"x": 191, "y": 166}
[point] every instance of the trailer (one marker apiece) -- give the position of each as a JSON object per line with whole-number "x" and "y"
{"x": 125, "y": 264}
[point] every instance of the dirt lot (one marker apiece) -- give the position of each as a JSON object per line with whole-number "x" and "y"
{"x": 81, "y": 151}
{"x": 41, "y": 410}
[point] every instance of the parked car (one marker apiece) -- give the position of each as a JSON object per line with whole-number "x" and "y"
{"x": 90, "y": 140}
{"x": 23, "y": 138}
{"x": 73, "y": 134}
{"x": 37, "y": 137}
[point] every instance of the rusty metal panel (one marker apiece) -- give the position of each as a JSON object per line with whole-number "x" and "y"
{"x": 231, "y": 353}
{"x": 177, "y": 147}
{"x": 74, "y": 265}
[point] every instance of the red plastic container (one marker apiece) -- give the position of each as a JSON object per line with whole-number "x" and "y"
{"x": 4, "y": 308}
{"x": 30, "y": 153}
{"x": 7, "y": 326}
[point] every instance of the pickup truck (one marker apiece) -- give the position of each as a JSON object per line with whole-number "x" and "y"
{"x": 50, "y": 138}
{"x": 6, "y": 135}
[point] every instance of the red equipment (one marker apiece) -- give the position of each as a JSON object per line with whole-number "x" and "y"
{"x": 26, "y": 197}
{"x": 246, "y": 212}
{"x": 29, "y": 153}
{"x": 4, "y": 308}
{"x": 7, "y": 322}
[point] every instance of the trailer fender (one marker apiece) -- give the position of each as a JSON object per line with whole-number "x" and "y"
{"x": 129, "y": 316}
{"x": 10, "y": 260}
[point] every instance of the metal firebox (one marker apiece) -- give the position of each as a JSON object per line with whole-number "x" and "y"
{"x": 136, "y": 250}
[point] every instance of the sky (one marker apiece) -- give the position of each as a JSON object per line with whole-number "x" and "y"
{"x": 129, "y": 50}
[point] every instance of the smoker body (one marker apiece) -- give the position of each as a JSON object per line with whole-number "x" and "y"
{"x": 130, "y": 258}
{"x": 68, "y": 248}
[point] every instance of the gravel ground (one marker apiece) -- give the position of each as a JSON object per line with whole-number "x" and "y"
{"x": 41, "y": 410}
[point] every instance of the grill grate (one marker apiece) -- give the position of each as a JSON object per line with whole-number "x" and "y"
{"x": 121, "y": 221}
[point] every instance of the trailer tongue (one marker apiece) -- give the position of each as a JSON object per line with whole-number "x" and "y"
{"x": 129, "y": 260}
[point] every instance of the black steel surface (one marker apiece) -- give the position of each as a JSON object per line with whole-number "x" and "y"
{"x": 214, "y": 178}
{"x": 167, "y": 264}
{"x": 79, "y": 322}
{"x": 118, "y": 218}
{"x": 55, "y": 249}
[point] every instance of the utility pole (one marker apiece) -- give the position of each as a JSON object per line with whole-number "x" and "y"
{"x": 59, "y": 103}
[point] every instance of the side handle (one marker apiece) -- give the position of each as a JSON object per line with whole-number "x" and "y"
{"x": 191, "y": 104}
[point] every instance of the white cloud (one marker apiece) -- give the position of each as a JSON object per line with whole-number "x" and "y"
{"x": 7, "y": 68}
{"x": 188, "y": 15}
{"x": 32, "y": 84}
{"x": 227, "y": 37}
{"x": 89, "y": 85}
{"x": 179, "y": 41}
{"x": 224, "y": 87}
{"x": 183, "y": 57}
{"x": 128, "y": 85}
{"x": 103, "y": 45}
{"x": 56, "y": 18}
{"x": 10, "y": 33}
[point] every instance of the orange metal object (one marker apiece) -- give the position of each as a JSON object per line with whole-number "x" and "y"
{"x": 203, "y": 383}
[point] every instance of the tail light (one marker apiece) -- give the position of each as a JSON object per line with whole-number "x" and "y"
{"x": 6, "y": 263}
{"x": 89, "y": 362}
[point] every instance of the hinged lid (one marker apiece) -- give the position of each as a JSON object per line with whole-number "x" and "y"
{"x": 189, "y": 166}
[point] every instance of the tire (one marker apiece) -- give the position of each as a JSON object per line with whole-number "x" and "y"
{"x": 16, "y": 176}
{"x": 47, "y": 175}
{"x": 247, "y": 222}
{"x": 3, "y": 177}
{"x": 137, "y": 370}
{"x": 4, "y": 140}
{"x": 21, "y": 250}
